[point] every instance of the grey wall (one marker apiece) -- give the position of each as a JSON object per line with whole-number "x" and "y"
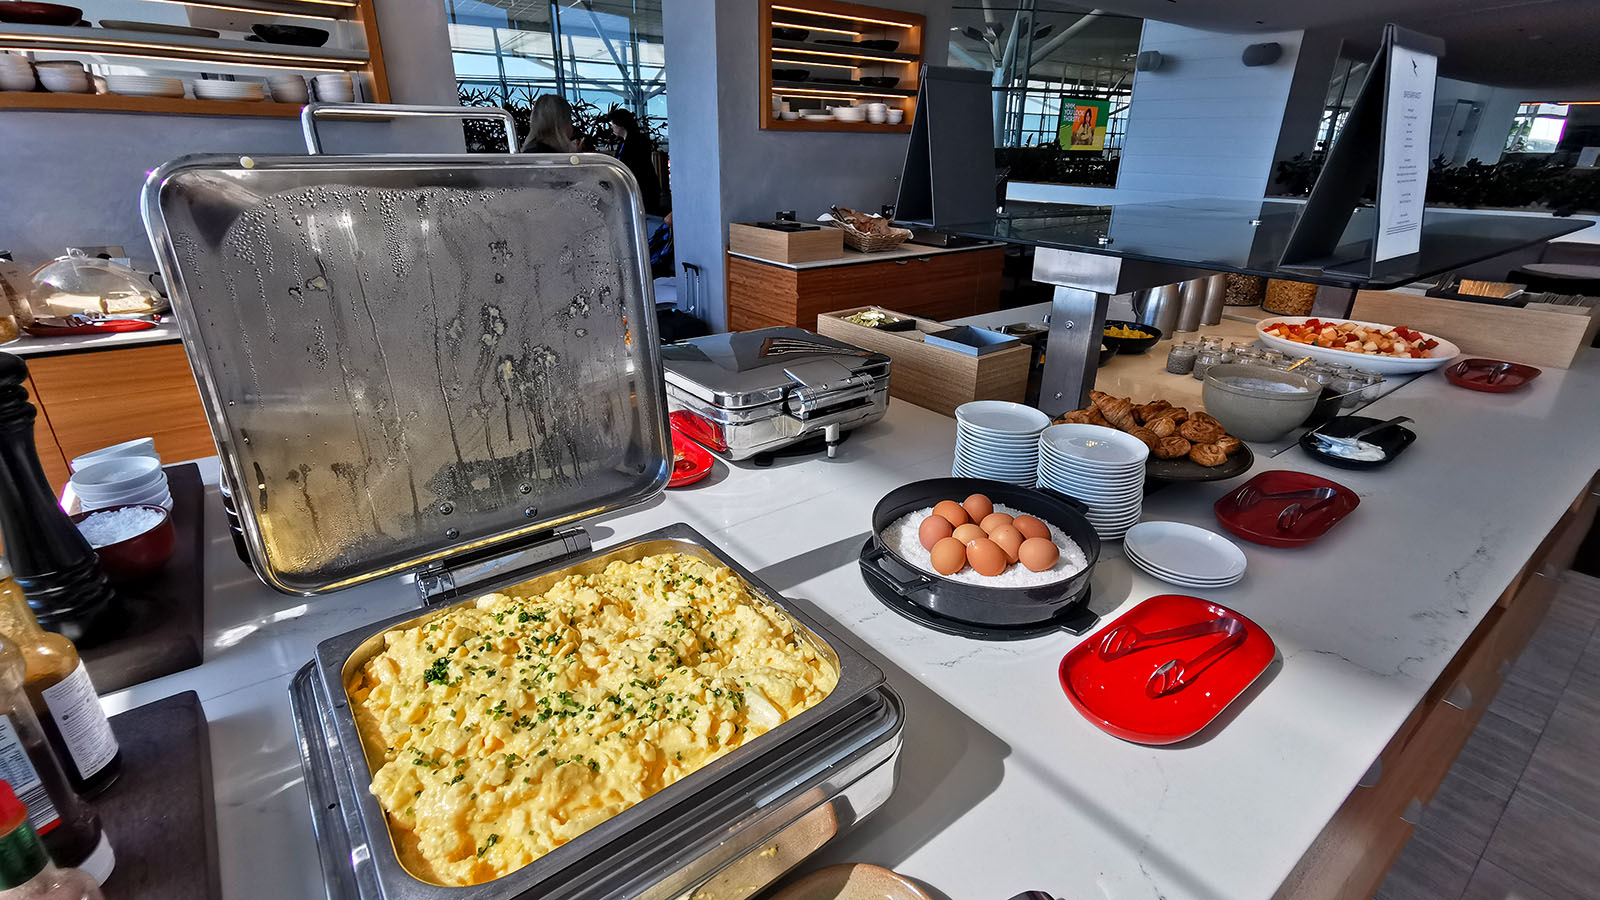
{"x": 73, "y": 178}
{"x": 726, "y": 169}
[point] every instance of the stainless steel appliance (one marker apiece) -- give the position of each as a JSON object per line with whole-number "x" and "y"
{"x": 441, "y": 365}
{"x": 756, "y": 391}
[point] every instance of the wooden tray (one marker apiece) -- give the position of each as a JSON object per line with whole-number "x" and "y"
{"x": 934, "y": 377}
{"x": 1548, "y": 337}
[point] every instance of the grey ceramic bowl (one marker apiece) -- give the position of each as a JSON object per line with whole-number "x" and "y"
{"x": 1258, "y": 403}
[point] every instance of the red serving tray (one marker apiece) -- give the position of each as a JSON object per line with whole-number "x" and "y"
{"x": 1473, "y": 374}
{"x": 104, "y": 326}
{"x": 1112, "y": 694}
{"x": 690, "y": 461}
{"x": 1259, "y": 523}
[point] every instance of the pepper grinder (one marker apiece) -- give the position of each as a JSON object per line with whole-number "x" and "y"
{"x": 51, "y": 561}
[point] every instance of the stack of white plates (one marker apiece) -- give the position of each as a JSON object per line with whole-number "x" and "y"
{"x": 1100, "y": 466}
{"x": 1184, "y": 554}
{"x": 998, "y": 440}
{"x": 335, "y": 87}
{"x": 211, "y": 89}
{"x": 289, "y": 89}
{"x": 65, "y": 77}
{"x": 144, "y": 85}
{"x": 137, "y": 447}
{"x": 121, "y": 481}
{"x": 16, "y": 73}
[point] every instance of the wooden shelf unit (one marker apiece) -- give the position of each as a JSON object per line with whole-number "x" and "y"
{"x": 227, "y": 54}
{"x": 828, "y": 19}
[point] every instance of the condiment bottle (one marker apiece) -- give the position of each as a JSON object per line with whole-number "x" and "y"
{"x": 69, "y": 827}
{"x": 26, "y": 872}
{"x": 63, "y": 697}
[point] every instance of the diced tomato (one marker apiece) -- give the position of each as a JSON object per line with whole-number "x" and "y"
{"x": 1314, "y": 323}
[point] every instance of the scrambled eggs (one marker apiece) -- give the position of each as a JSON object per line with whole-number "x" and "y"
{"x": 507, "y": 727}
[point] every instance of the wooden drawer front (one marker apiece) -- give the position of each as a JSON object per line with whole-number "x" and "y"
{"x": 98, "y": 399}
{"x": 761, "y": 296}
{"x": 44, "y": 440}
{"x": 941, "y": 286}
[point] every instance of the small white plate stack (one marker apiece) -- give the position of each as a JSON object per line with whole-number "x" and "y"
{"x": 289, "y": 89}
{"x": 65, "y": 77}
{"x": 121, "y": 481}
{"x": 998, "y": 440}
{"x": 334, "y": 87}
{"x": 144, "y": 86}
{"x": 16, "y": 73}
{"x": 1184, "y": 555}
{"x": 1100, "y": 466}
{"x": 212, "y": 89}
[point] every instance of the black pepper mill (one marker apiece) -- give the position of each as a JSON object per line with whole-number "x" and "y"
{"x": 52, "y": 563}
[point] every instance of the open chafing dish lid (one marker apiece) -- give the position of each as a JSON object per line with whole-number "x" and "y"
{"x": 751, "y": 368}
{"x": 407, "y": 359}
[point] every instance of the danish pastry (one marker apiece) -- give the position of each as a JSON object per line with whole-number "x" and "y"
{"x": 1200, "y": 431}
{"x": 1146, "y": 435}
{"x": 1172, "y": 447}
{"x": 1208, "y": 454}
{"x": 1229, "y": 444}
{"x": 1162, "y": 426}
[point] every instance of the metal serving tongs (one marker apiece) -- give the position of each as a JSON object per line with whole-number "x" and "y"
{"x": 1250, "y": 495}
{"x": 1125, "y": 639}
{"x": 1352, "y": 440}
{"x": 1175, "y": 674}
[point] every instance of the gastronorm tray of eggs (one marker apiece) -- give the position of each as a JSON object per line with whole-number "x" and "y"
{"x": 972, "y": 533}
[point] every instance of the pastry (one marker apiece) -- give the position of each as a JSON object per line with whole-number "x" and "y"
{"x": 1144, "y": 413}
{"x": 1230, "y": 444}
{"x": 1208, "y": 454}
{"x": 1172, "y": 447}
{"x": 1177, "y": 414}
{"x": 1096, "y": 417}
{"x": 1201, "y": 431}
{"x": 1117, "y": 410}
{"x": 1206, "y": 417}
{"x": 1146, "y": 435}
{"x": 1162, "y": 426}
{"x": 1076, "y": 417}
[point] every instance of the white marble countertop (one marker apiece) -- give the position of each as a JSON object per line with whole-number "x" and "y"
{"x": 28, "y": 345}
{"x": 1003, "y": 786}
{"x": 856, "y": 257}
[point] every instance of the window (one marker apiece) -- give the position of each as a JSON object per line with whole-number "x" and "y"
{"x": 1537, "y": 128}
{"x": 596, "y": 53}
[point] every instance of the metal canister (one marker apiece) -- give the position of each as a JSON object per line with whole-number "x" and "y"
{"x": 1192, "y": 304}
{"x": 1216, "y": 298}
{"x": 1158, "y": 308}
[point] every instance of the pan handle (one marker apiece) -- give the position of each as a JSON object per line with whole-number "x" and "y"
{"x": 1073, "y": 502}
{"x": 385, "y": 111}
{"x": 875, "y": 555}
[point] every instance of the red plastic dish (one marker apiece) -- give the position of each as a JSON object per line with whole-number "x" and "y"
{"x": 1473, "y": 374}
{"x": 1111, "y": 694}
{"x": 690, "y": 461}
{"x": 104, "y": 326}
{"x": 1259, "y": 523}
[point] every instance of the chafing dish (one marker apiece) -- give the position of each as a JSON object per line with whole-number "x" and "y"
{"x": 441, "y": 365}
{"x": 756, "y": 391}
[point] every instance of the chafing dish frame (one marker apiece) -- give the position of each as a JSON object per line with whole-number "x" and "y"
{"x": 332, "y": 749}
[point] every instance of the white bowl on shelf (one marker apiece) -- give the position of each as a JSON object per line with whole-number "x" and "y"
{"x": 334, "y": 87}
{"x": 144, "y": 86}
{"x": 207, "y": 89}
{"x": 289, "y": 89}
{"x": 788, "y": 115}
{"x": 65, "y": 81}
{"x": 817, "y": 117}
{"x": 17, "y": 79}
{"x": 896, "y": 116}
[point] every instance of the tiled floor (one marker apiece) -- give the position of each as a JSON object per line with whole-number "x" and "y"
{"x": 1518, "y": 816}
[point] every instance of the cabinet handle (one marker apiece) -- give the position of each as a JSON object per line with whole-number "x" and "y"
{"x": 1459, "y": 697}
{"x": 1413, "y": 812}
{"x": 901, "y": 262}
{"x": 1373, "y": 775}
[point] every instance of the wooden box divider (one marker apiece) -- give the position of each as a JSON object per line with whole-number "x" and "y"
{"x": 934, "y": 377}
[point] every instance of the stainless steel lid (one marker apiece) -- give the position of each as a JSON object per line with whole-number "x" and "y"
{"x": 751, "y": 368}
{"x": 408, "y": 359}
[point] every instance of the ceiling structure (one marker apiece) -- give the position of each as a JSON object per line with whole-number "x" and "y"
{"x": 1545, "y": 47}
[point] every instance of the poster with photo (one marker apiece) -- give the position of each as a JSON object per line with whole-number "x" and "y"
{"x": 1083, "y": 123}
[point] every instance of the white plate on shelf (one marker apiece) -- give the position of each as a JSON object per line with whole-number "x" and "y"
{"x": 1383, "y": 365}
{"x": 229, "y": 90}
{"x": 818, "y": 117}
{"x": 1186, "y": 551}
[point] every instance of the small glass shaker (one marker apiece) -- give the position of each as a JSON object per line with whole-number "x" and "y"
{"x": 1208, "y": 357}
{"x": 1371, "y": 388}
{"x": 1180, "y": 359}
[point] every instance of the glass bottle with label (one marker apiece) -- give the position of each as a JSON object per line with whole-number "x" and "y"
{"x": 26, "y": 872}
{"x": 69, "y": 827}
{"x": 58, "y": 685}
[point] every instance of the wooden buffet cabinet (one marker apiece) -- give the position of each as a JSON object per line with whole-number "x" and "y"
{"x": 928, "y": 282}
{"x": 93, "y": 399}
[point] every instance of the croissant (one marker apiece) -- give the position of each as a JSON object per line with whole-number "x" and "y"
{"x": 1076, "y": 417}
{"x": 1146, "y": 435}
{"x": 1118, "y": 411}
{"x": 1171, "y": 447}
{"x": 1177, "y": 414}
{"x": 1162, "y": 426}
{"x": 1229, "y": 444}
{"x": 1208, "y": 454}
{"x": 1201, "y": 432}
{"x": 1147, "y": 411}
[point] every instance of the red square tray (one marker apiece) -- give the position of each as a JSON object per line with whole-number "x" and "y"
{"x": 1259, "y": 523}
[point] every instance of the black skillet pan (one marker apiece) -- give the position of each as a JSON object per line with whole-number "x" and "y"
{"x": 970, "y": 603}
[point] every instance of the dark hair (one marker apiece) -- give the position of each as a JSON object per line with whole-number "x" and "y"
{"x": 625, "y": 118}
{"x": 550, "y": 124}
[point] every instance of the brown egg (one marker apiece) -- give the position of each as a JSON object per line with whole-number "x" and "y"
{"x": 1031, "y": 527}
{"x": 968, "y": 533}
{"x": 952, "y": 512}
{"x": 1038, "y": 554}
{"x": 1009, "y": 539}
{"x": 986, "y": 557}
{"x": 977, "y": 506}
{"x": 949, "y": 556}
{"x": 993, "y": 521}
{"x": 933, "y": 530}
